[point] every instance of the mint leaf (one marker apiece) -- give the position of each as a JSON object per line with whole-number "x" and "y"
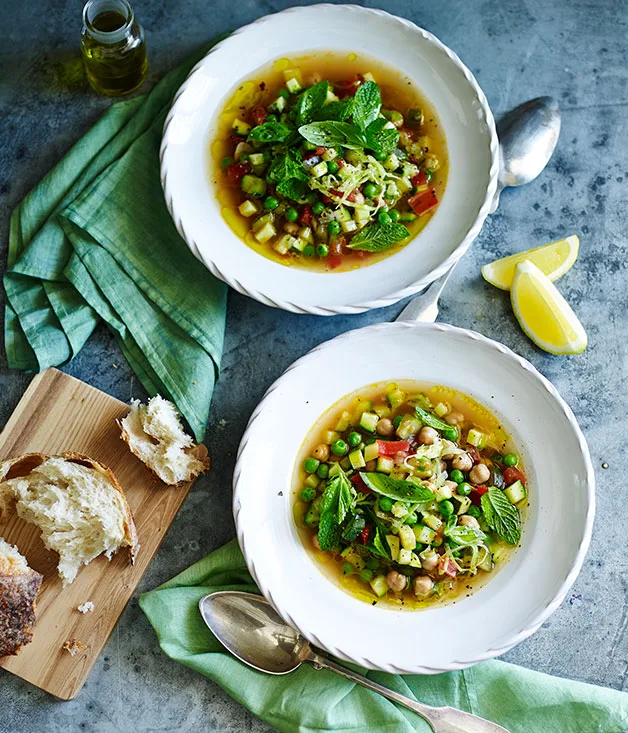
{"x": 378, "y": 237}
{"x": 398, "y": 489}
{"x": 333, "y": 133}
{"x": 380, "y": 139}
{"x": 287, "y": 165}
{"x": 338, "y": 111}
{"x": 501, "y": 516}
{"x": 367, "y": 103}
{"x": 293, "y": 189}
{"x": 377, "y": 544}
{"x": 354, "y": 528}
{"x": 309, "y": 101}
{"x": 338, "y": 500}
{"x": 271, "y": 131}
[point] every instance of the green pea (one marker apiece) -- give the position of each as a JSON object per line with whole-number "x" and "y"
{"x": 284, "y": 93}
{"x": 385, "y": 504}
{"x": 384, "y": 218}
{"x": 292, "y": 214}
{"x": 354, "y": 439}
{"x": 347, "y": 568}
{"x": 333, "y": 227}
{"x": 456, "y": 475}
{"x": 271, "y": 203}
{"x": 372, "y": 563}
{"x": 394, "y": 215}
{"x": 308, "y": 494}
{"x": 308, "y": 250}
{"x": 226, "y": 162}
{"x": 322, "y": 250}
{"x": 333, "y": 167}
{"x": 396, "y": 421}
{"x": 474, "y": 511}
{"x": 446, "y": 508}
{"x": 464, "y": 489}
{"x": 510, "y": 459}
{"x": 411, "y": 519}
{"x": 318, "y": 208}
{"x": 366, "y": 575}
{"x": 451, "y": 433}
{"x": 339, "y": 448}
{"x": 322, "y": 471}
{"x": 370, "y": 190}
{"x": 311, "y": 464}
{"x": 380, "y": 156}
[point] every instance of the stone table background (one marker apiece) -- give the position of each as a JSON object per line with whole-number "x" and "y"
{"x": 572, "y": 49}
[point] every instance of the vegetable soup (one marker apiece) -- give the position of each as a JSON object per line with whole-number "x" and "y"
{"x": 409, "y": 494}
{"x": 328, "y": 162}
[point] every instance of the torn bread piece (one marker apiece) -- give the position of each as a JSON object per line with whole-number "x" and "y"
{"x": 74, "y": 646}
{"x": 75, "y": 501}
{"x": 19, "y": 586}
{"x": 86, "y": 607}
{"x": 155, "y": 435}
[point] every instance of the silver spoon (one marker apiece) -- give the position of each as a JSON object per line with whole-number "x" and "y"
{"x": 248, "y": 627}
{"x": 527, "y": 138}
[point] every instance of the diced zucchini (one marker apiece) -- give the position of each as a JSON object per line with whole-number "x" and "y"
{"x": 356, "y": 458}
{"x": 499, "y": 555}
{"x": 443, "y": 492}
{"x": 395, "y": 117}
{"x": 265, "y": 233}
{"x": 318, "y": 170}
{"x": 343, "y": 422}
{"x": 407, "y": 216}
{"x": 345, "y": 463}
{"x": 331, "y": 436}
{"x": 393, "y": 543}
{"x": 392, "y": 162}
{"x": 368, "y": 76}
{"x": 408, "y": 426}
{"x": 414, "y": 118}
{"x": 331, "y": 97}
{"x": 293, "y": 74}
{"x": 312, "y": 481}
{"x": 313, "y": 514}
{"x": 379, "y": 585}
{"x": 284, "y": 244}
{"x": 399, "y": 509}
{"x": 348, "y": 226}
{"x": 256, "y": 159}
{"x": 432, "y": 521}
{"x": 293, "y": 86}
{"x": 432, "y": 163}
{"x": 361, "y": 213}
{"x": 382, "y": 411}
{"x": 385, "y": 464}
{"x": 464, "y": 502}
{"x": 253, "y": 185}
{"x": 407, "y": 538}
{"x": 329, "y": 154}
{"x": 441, "y": 409}
{"x": 371, "y": 452}
{"x": 389, "y": 126}
{"x": 395, "y": 397}
{"x": 299, "y": 244}
{"x": 487, "y": 563}
{"x": 516, "y": 492}
{"x": 399, "y": 473}
{"x": 343, "y": 214}
{"x": 415, "y": 562}
{"x": 279, "y": 104}
{"x": 369, "y": 421}
{"x": 424, "y": 535}
{"x": 404, "y": 185}
{"x": 248, "y": 208}
{"x": 350, "y": 555}
{"x": 240, "y": 127}
{"x": 476, "y": 438}
{"x": 405, "y": 557}
{"x": 392, "y": 191}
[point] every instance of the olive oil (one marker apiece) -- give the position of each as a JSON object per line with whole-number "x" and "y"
{"x": 113, "y": 47}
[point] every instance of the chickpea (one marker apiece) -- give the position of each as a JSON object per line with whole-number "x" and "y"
{"x": 466, "y": 520}
{"x": 454, "y": 418}
{"x": 321, "y": 452}
{"x": 315, "y": 542}
{"x": 427, "y": 435}
{"x": 430, "y": 562}
{"x": 463, "y": 462}
{"x": 422, "y": 586}
{"x": 385, "y": 426}
{"x": 371, "y": 465}
{"x": 396, "y": 581}
{"x": 452, "y": 485}
{"x": 479, "y": 474}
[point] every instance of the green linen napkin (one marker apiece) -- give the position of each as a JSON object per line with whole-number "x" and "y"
{"x": 93, "y": 241}
{"x": 310, "y": 701}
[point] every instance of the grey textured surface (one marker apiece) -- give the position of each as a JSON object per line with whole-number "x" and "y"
{"x": 572, "y": 49}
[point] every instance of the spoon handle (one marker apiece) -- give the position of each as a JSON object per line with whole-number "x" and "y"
{"x": 442, "y": 720}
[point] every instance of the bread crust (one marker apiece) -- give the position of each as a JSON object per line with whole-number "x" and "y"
{"x": 24, "y": 465}
{"x": 17, "y": 610}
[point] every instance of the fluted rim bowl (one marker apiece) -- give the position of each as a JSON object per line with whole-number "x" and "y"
{"x": 509, "y": 607}
{"x": 437, "y": 71}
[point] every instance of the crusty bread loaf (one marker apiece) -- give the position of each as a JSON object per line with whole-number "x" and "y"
{"x": 19, "y": 586}
{"x": 75, "y": 501}
{"x": 155, "y": 435}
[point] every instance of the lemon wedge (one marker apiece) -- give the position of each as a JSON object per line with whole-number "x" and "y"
{"x": 553, "y": 259}
{"x": 543, "y": 313}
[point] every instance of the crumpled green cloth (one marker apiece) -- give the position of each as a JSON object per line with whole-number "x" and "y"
{"x": 310, "y": 701}
{"x": 93, "y": 241}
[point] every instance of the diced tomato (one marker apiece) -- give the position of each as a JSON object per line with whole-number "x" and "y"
{"x": 447, "y": 567}
{"x": 419, "y": 180}
{"x": 309, "y": 154}
{"x": 234, "y": 138}
{"x": 358, "y": 482}
{"x": 473, "y": 452}
{"x": 326, "y": 199}
{"x": 259, "y": 115}
{"x": 320, "y": 150}
{"x": 306, "y": 215}
{"x": 336, "y": 192}
{"x": 365, "y": 534}
{"x": 334, "y": 261}
{"x": 477, "y": 493}
{"x": 236, "y": 172}
{"x": 512, "y": 474}
{"x": 422, "y": 202}
{"x": 348, "y": 87}
{"x": 390, "y": 447}
{"x": 341, "y": 162}
{"x": 356, "y": 197}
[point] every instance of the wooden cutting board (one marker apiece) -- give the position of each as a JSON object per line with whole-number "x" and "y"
{"x": 60, "y": 413}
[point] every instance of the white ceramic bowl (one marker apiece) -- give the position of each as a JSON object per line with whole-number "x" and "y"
{"x": 521, "y": 596}
{"x": 436, "y": 70}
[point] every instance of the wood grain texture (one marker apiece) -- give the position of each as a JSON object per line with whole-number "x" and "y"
{"x": 60, "y": 413}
